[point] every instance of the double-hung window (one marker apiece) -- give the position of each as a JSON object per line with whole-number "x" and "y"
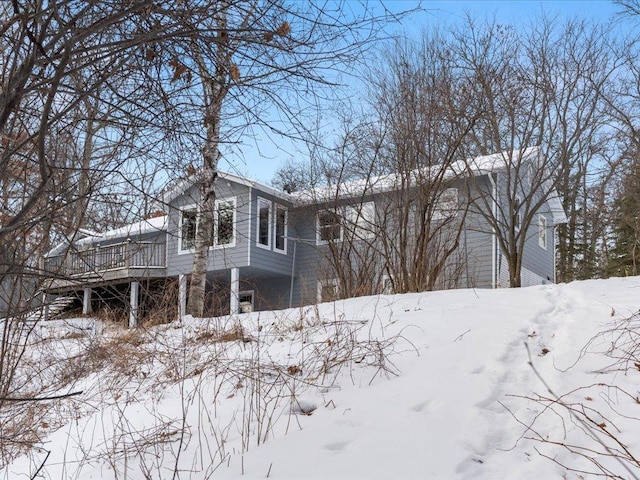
{"x": 329, "y": 226}
{"x": 264, "y": 223}
{"x": 224, "y": 223}
{"x": 280, "y": 231}
{"x": 188, "y": 229}
{"x": 446, "y": 204}
{"x": 223, "y": 230}
{"x": 362, "y": 219}
{"x": 542, "y": 231}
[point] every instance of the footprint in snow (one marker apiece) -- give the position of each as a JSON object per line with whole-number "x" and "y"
{"x": 420, "y": 407}
{"x": 336, "y": 446}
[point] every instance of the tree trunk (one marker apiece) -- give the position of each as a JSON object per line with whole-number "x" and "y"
{"x": 215, "y": 89}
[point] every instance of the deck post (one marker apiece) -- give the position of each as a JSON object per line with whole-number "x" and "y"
{"x": 133, "y": 312}
{"x": 182, "y": 295}
{"x": 235, "y": 291}
{"x": 45, "y": 306}
{"x": 86, "y": 301}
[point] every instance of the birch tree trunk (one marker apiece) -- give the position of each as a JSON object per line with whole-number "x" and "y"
{"x": 215, "y": 88}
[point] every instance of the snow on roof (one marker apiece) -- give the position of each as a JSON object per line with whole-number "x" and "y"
{"x": 156, "y": 224}
{"x": 149, "y": 225}
{"x": 182, "y": 185}
{"x": 383, "y": 183}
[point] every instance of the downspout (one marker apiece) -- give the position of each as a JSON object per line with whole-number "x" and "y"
{"x": 494, "y": 243}
{"x": 555, "y": 246}
{"x": 250, "y": 243}
{"x": 293, "y": 266}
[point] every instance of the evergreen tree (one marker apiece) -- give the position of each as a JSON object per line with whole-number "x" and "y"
{"x": 625, "y": 253}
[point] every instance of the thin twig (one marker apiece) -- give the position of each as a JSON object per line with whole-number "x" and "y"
{"x": 39, "y": 399}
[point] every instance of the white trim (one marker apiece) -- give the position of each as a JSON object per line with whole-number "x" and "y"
{"x": 234, "y": 220}
{"x": 261, "y": 203}
{"x": 518, "y": 215}
{"x": 235, "y": 290}
{"x": 187, "y": 208}
{"x": 275, "y": 228}
{"x": 249, "y": 233}
{"x": 494, "y": 240}
{"x": 361, "y": 218}
{"x": 335, "y": 211}
{"x": 543, "y": 231}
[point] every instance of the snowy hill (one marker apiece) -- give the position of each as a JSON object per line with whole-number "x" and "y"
{"x": 419, "y": 386}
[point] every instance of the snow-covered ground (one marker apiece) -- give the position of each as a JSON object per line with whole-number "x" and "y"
{"x": 443, "y": 385}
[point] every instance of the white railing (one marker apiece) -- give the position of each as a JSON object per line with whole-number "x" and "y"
{"x": 98, "y": 259}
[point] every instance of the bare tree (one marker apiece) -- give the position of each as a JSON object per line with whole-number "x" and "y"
{"x": 544, "y": 88}
{"x": 242, "y": 64}
{"x": 71, "y": 96}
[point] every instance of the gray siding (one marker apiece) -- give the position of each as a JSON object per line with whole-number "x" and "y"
{"x": 477, "y": 244}
{"x": 535, "y": 259}
{"x": 310, "y": 262}
{"x": 478, "y": 236}
{"x": 268, "y": 258}
{"x": 220, "y": 258}
{"x": 268, "y": 272}
{"x": 474, "y": 255}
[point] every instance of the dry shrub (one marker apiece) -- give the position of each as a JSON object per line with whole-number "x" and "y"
{"x": 235, "y": 334}
{"x": 113, "y": 316}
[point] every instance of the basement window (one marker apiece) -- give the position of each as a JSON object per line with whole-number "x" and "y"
{"x": 328, "y": 290}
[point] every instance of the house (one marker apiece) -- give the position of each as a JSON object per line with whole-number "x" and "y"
{"x": 273, "y": 249}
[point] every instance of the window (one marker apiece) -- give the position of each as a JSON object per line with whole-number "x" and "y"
{"x": 280, "y": 241}
{"x": 328, "y": 290}
{"x": 542, "y": 231}
{"x": 446, "y": 204}
{"x": 329, "y": 227}
{"x": 362, "y": 218}
{"x": 245, "y": 301}
{"x": 264, "y": 223}
{"x": 359, "y": 220}
{"x": 224, "y": 222}
{"x": 187, "y": 229}
{"x": 517, "y": 216}
{"x": 222, "y": 234}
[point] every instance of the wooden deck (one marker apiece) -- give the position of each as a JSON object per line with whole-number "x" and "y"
{"x": 103, "y": 265}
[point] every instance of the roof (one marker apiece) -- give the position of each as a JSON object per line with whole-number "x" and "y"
{"x": 156, "y": 224}
{"x": 184, "y": 184}
{"x": 149, "y": 225}
{"x": 475, "y": 166}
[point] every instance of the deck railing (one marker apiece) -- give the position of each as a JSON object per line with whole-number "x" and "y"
{"x": 125, "y": 255}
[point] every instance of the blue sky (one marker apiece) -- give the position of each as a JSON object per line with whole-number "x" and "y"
{"x": 260, "y": 157}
